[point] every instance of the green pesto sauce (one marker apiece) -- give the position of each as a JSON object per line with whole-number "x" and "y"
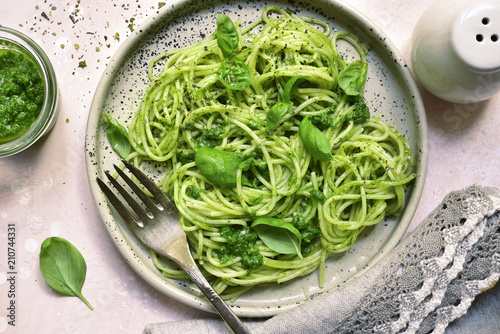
{"x": 240, "y": 242}
{"x": 22, "y": 92}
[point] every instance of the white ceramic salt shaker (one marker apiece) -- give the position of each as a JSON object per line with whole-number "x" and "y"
{"x": 456, "y": 49}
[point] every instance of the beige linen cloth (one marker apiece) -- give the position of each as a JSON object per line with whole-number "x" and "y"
{"x": 439, "y": 279}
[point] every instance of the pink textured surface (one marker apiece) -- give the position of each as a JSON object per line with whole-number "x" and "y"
{"x": 45, "y": 191}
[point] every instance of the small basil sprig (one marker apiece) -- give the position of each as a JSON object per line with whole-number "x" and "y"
{"x": 217, "y": 166}
{"x": 290, "y": 84}
{"x": 117, "y": 136}
{"x": 353, "y": 77}
{"x": 227, "y": 36}
{"x": 278, "y": 235}
{"x": 274, "y": 115}
{"x": 314, "y": 140}
{"x": 233, "y": 73}
{"x": 63, "y": 267}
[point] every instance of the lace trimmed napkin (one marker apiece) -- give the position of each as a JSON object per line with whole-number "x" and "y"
{"x": 424, "y": 285}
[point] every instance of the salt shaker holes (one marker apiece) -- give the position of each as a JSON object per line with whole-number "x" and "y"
{"x": 455, "y": 48}
{"x": 480, "y": 38}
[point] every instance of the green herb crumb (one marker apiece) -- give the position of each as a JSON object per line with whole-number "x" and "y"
{"x": 240, "y": 242}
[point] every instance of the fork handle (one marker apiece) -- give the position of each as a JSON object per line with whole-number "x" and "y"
{"x": 225, "y": 311}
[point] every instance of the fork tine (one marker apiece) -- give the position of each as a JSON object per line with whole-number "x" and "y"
{"x": 144, "y": 180}
{"x": 138, "y": 191}
{"x": 158, "y": 194}
{"x": 143, "y": 216}
{"x": 119, "y": 207}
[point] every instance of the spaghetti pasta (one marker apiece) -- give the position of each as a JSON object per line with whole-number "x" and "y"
{"x": 186, "y": 107}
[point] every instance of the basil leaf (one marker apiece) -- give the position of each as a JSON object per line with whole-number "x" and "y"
{"x": 63, "y": 267}
{"x": 234, "y": 74}
{"x": 353, "y": 77}
{"x": 275, "y": 114}
{"x": 117, "y": 136}
{"x": 287, "y": 94}
{"x": 277, "y": 111}
{"x": 314, "y": 140}
{"x": 280, "y": 236}
{"x": 227, "y": 36}
{"x": 217, "y": 166}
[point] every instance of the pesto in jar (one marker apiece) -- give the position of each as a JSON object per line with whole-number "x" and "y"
{"x": 22, "y": 94}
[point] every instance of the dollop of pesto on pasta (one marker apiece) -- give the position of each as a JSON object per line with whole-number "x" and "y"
{"x": 268, "y": 148}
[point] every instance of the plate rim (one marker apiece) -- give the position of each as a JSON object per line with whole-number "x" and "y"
{"x": 149, "y": 26}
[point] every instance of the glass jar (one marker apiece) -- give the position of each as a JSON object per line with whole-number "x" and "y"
{"x": 14, "y": 40}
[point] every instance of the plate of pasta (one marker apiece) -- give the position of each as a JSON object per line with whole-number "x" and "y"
{"x": 291, "y": 137}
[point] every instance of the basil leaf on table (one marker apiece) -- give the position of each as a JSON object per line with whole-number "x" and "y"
{"x": 63, "y": 267}
{"x": 353, "y": 77}
{"x": 217, "y": 166}
{"x": 234, "y": 74}
{"x": 278, "y": 235}
{"x": 314, "y": 140}
{"x": 227, "y": 36}
{"x": 117, "y": 136}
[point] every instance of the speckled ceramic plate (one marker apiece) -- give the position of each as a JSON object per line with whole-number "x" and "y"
{"x": 390, "y": 90}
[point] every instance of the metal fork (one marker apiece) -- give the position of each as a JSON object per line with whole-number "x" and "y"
{"x": 158, "y": 227}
